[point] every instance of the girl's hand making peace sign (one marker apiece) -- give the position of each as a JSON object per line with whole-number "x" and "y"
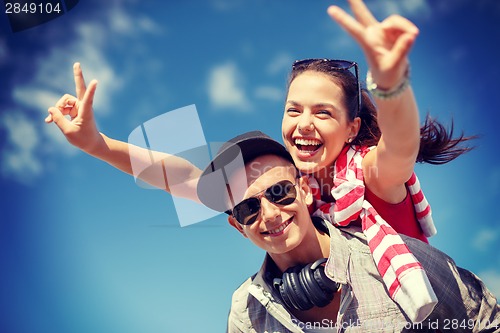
{"x": 385, "y": 44}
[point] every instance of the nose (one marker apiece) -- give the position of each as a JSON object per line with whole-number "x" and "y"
{"x": 305, "y": 122}
{"x": 269, "y": 211}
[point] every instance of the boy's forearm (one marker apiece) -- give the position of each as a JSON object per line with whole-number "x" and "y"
{"x": 155, "y": 168}
{"x": 113, "y": 152}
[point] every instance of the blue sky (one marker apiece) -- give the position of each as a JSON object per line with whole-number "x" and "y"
{"x": 85, "y": 249}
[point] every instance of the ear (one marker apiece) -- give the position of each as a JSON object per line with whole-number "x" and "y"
{"x": 232, "y": 221}
{"x": 306, "y": 190}
{"x": 354, "y": 127}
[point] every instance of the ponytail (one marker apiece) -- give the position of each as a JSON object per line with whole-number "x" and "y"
{"x": 437, "y": 145}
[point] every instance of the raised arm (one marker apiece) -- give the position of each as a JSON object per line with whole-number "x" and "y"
{"x": 386, "y": 46}
{"x": 81, "y": 131}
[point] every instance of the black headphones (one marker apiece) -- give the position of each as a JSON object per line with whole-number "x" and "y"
{"x": 303, "y": 287}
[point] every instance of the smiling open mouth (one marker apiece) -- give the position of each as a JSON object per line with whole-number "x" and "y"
{"x": 307, "y": 145}
{"x": 280, "y": 228}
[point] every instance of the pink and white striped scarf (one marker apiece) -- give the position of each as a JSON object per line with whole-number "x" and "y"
{"x": 401, "y": 272}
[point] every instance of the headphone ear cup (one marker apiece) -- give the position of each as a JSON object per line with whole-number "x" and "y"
{"x": 302, "y": 287}
{"x": 294, "y": 289}
{"x": 324, "y": 282}
{"x": 280, "y": 286}
{"x": 285, "y": 290}
{"x": 315, "y": 293}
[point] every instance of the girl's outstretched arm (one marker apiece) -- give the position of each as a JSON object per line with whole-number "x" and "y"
{"x": 386, "y": 46}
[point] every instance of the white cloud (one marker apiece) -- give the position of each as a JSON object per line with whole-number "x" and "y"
{"x": 89, "y": 52}
{"x": 281, "y": 63}
{"x": 415, "y": 7}
{"x": 225, "y": 87}
{"x": 53, "y": 77}
{"x": 54, "y": 71}
{"x": 270, "y": 93}
{"x": 123, "y": 23}
{"x": 491, "y": 279}
{"x": 485, "y": 238}
{"x": 120, "y": 22}
{"x": 406, "y": 8}
{"x": 37, "y": 98}
{"x": 18, "y": 157}
{"x": 149, "y": 26}
{"x": 58, "y": 143}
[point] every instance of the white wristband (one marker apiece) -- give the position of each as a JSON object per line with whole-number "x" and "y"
{"x": 384, "y": 94}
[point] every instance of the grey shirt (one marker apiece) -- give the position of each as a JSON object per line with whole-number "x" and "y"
{"x": 464, "y": 303}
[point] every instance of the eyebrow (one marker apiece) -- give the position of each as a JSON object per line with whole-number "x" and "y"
{"x": 315, "y": 106}
{"x": 271, "y": 185}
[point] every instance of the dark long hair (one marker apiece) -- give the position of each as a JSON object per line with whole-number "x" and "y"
{"x": 437, "y": 145}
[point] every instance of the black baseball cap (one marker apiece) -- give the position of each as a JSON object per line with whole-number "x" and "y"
{"x": 214, "y": 190}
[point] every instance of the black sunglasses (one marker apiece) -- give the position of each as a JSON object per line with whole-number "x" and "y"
{"x": 282, "y": 193}
{"x": 337, "y": 65}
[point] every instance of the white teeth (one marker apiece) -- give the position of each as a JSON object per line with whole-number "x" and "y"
{"x": 307, "y": 142}
{"x": 280, "y": 228}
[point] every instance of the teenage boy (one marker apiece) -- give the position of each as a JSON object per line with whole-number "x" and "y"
{"x": 294, "y": 292}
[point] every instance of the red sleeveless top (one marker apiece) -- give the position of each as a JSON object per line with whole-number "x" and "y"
{"x": 400, "y": 216}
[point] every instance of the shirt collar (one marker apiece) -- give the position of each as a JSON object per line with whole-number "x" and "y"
{"x": 336, "y": 266}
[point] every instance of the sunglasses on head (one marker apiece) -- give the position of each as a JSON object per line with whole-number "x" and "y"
{"x": 282, "y": 193}
{"x": 337, "y": 65}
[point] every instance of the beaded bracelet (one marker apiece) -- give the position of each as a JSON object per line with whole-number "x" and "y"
{"x": 385, "y": 94}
